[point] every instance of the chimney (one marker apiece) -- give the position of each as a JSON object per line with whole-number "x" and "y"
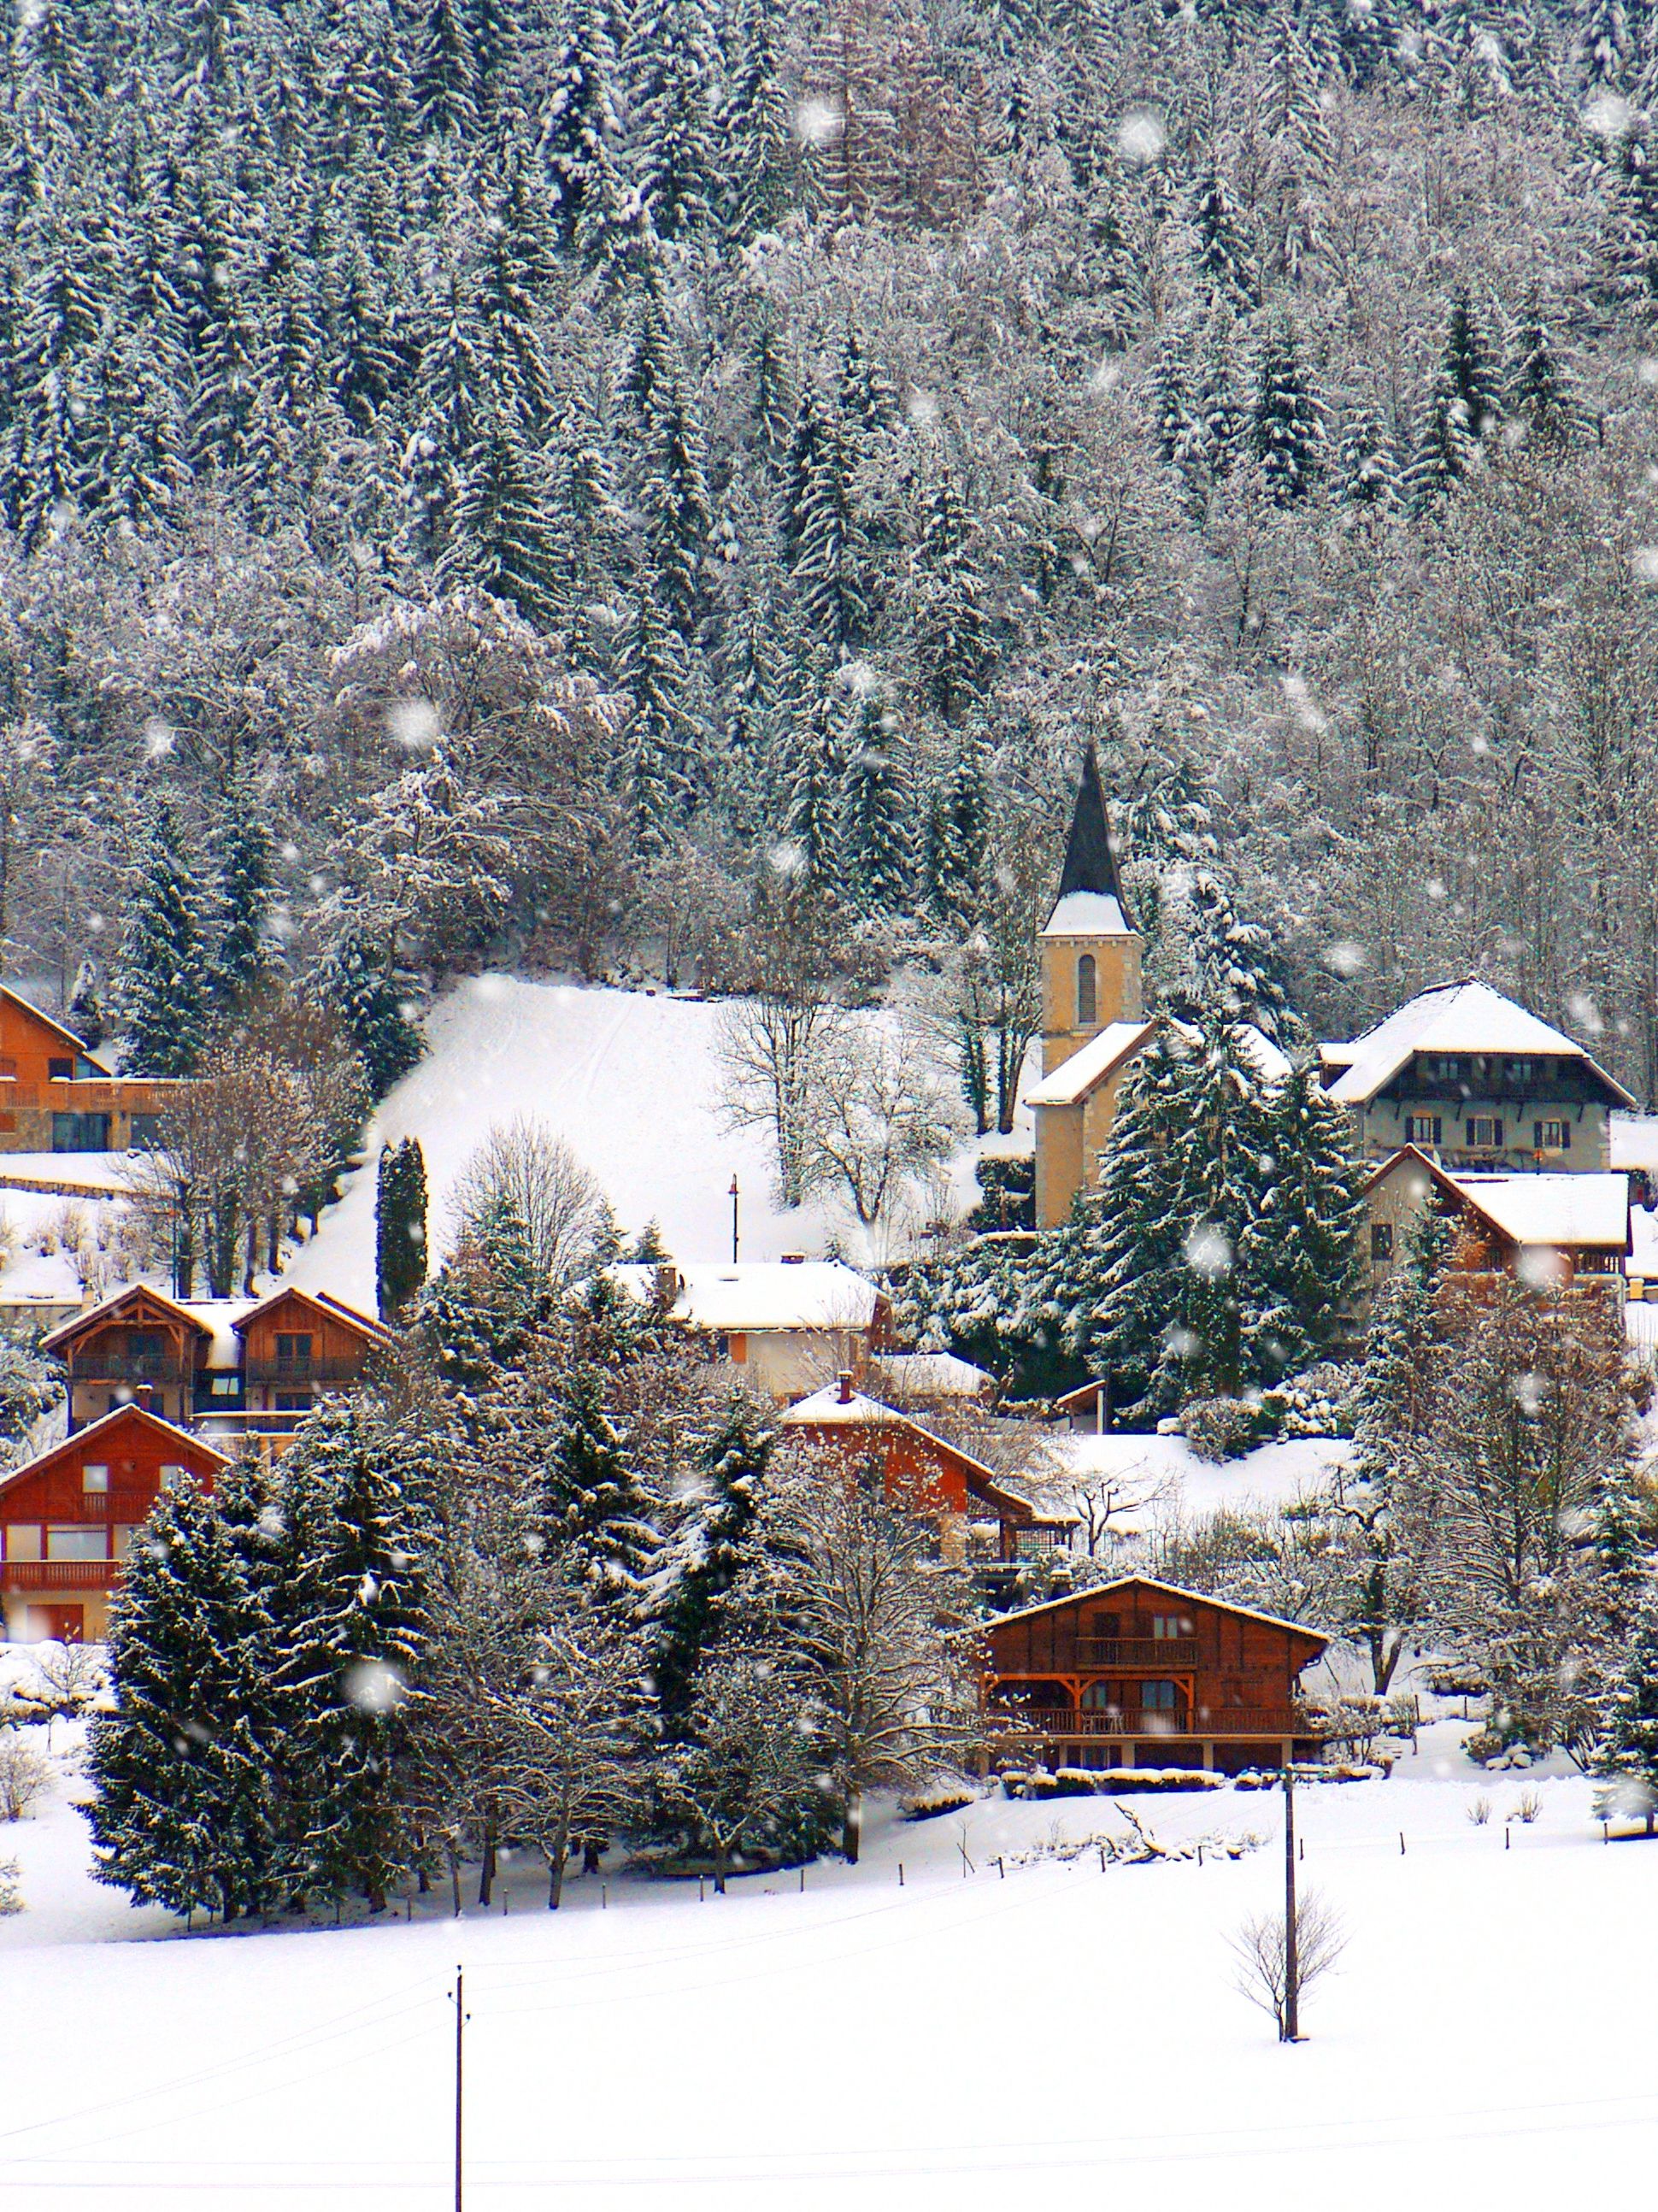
{"x": 143, "y": 1397}
{"x": 845, "y": 1380}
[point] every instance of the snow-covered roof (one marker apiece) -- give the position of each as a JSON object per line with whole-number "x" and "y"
{"x": 221, "y": 1319}
{"x": 933, "y": 1375}
{"x": 1074, "y": 1078}
{"x": 827, "y": 1409}
{"x": 93, "y": 1433}
{"x": 1544, "y": 1210}
{"x": 1164, "y": 1590}
{"x": 1088, "y": 914}
{"x": 755, "y": 1295}
{"x": 1633, "y": 1140}
{"x": 82, "y": 1174}
{"x": 1452, "y": 1018}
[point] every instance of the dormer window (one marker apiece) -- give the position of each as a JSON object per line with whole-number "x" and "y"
{"x": 1087, "y": 993}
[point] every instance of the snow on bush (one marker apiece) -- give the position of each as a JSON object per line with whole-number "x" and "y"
{"x": 23, "y": 1775}
{"x": 1109, "y": 1781}
{"x": 946, "y": 1793}
{"x": 11, "y": 1897}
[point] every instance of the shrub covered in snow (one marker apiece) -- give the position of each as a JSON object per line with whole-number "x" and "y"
{"x": 11, "y": 1898}
{"x": 1222, "y": 1428}
{"x": 945, "y": 1793}
{"x": 1320, "y": 1403}
{"x": 23, "y": 1777}
{"x": 1110, "y": 1781}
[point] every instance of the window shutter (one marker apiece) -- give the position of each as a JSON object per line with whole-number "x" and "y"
{"x": 1471, "y": 1136}
{"x": 1497, "y": 1139}
{"x": 1565, "y": 1136}
{"x": 1438, "y": 1130}
{"x": 1537, "y": 1141}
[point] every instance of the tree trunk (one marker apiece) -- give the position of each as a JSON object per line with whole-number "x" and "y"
{"x": 487, "y": 1868}
{"x": 852, "y": 1829}
{"x": 719, "y": 1864}
{"x": 454, "y": 1876}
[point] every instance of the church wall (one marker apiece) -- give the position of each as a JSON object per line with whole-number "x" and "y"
{"x": 1059, "y": 1162}
{"x": 1117, "y": 991}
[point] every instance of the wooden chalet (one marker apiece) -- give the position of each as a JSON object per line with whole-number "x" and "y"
{"x": 55, "y": 1097}
{"x": 68, "y": 1518}
{"x": 1542, "y": 1228}
{"x": 921, "y": 1470}
{"x": 1137, "y": 1673}
{"x": 790, "y": 1324}
{"x": 227, "y": 1367}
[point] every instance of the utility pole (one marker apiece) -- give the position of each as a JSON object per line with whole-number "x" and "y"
{"x": 734, "y": 1196}
{"x": 459, "y": 2003}
{"x": 1291, "y": 1959}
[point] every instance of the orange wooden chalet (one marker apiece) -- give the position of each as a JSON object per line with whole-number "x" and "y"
{"x": 1137, "y": 1673}
{"x": 229, "y": 1367}
{"x": 938, "y": 1478}
{"x": 56, "y": 1096}
{"x": 67, "y": 1518}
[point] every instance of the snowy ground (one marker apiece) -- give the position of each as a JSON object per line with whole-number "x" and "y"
{"x": 1488, "y": 2038}
{"x": 627, "y": 1078}
{"x": 1162, "y": 1478}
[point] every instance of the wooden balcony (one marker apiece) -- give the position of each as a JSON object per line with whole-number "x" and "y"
{"x": 1057, "y": 1722}
{"x": 1148, "y": 1651}
{"x": 302, "y": 1374}
{"x": 59, "y": 1574}
{"x": 107, "y": 1367}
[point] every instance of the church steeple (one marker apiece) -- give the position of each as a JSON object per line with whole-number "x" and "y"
{"x": 1090, "y": 863}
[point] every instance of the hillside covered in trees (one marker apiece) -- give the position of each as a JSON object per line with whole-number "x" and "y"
{"x": 509, "y": 480}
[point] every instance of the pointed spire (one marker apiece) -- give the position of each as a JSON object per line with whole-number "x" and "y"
{"x": 1089, "y": 862}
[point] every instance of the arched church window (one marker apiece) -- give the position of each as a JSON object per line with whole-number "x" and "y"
{"x": 1087, "y": 993}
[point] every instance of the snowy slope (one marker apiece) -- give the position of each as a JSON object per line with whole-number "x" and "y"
{"x": 1161, "y": 1479}
{"x": 970, "y": 2041}
{"x": 627, "y": 1078}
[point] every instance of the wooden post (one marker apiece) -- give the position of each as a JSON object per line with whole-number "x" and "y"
{"x": 460, "y": 2064}
{"x": 900, "y": 1874}
{"x": 1401, "y": 1843}
{"x": 1291, "y": 1957}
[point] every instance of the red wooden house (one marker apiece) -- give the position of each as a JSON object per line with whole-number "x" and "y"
{"x": 231, "y": 1367}
{"x": 1137, "y": 1673}
{"x": 55, "y": 1097}
{"x": 67, "y": 1518}
{"x": 918, "y": 1468}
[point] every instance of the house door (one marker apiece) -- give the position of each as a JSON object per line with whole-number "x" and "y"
{"x": 62, "y": 1624}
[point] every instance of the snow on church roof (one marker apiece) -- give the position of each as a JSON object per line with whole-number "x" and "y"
{"x": 1088, "y": 914}
{"x": 1074, "y": 1078}
{"x": 1452, "y": 1018}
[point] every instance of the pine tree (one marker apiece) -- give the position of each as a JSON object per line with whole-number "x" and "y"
{"x": 655, "y": 670}
{"x": 1221, "y": 418}
{"x": 1367, "y": 464}
{"x": 756, "y": 125}
{"x": 1539, "y": 392}
{"x": 597, "y": 1508}
{"x": 477, "y": 1317}
{"x": 1285, "y": 425}
{"x": 498, "y": 533}
{"x": 581, "y": 126}
{"x": 446, "y": 80}
{"x": 400, "y": 1200}
{"x": 157, "y": 986}
{"x": 702, "y": 1555}
{"x": 242, "y": 954}
{"x": 1225, "y": 255}
{"x": 960, "y": 832}
{"x": 1464, "y": 405}
{"x": 355, "y": 1629}
{"x": 813, "y": 779}
{"x": 672, "y": 68}
{"x": 950, "y": 623}
{"x": 1626, "y": 1760}
{"x": 187, "y": 1812}
{"x": 1298, "y": 1253}
{"x": 356, "y": 986}
{"x": 822, "y": 540}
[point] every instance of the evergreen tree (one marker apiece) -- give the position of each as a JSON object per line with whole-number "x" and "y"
{"x": 355, "y": 1629}
{"x": 960, "y": 832}
{"x": 877, "y": 841}
{"x": 598, "y": 1507}
{"x": 186, "y": 1813}
{"x": 655, "y": 670}
{"x": 1367, "y": 464}
{"x": 446, "y": 80}
{"x": 86, "y": 1016}
{"x": 356, "y": 987}
{"x": 1464, "y": 404}
{"x": 242, "y": 955}
{"x": 1285, "y": 427}
{"x": 823, "y": 539}
{"x": 672, "y": 67}
{"x": 400, "y": 1225}
{"x": 478, "y": 1315}
{"x": 702, "y": 1555}
{"x": 1224, "y": 254}
{"x": 580, "y": 125}
{"x": 1626, "y": 1760}
{"x": 1539, "y": 392}
{"x": 1299, "y": 1253}
{"x": 499, "y": 534}
{"x": 813, "y": 774}
{"x": 756, "y": 125}
{"x": 1221, "y": 418}
{"x": 158, "y": 984}
{"x": 955, "y": 649}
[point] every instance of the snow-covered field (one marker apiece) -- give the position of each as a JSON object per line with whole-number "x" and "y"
{"x": 952, "y": 2042}
{"x": 627, "y": 1078}
{"x": 1160, "y": 1477}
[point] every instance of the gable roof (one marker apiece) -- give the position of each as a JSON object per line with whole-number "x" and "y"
{"x": 1452, "y": 1018}
{"x": 28, "y": 1006}
{"x": 331, "y": 1309}
{"x": 1091, "y": 897}
{"x": 1164, "y": 1590}
{"x": 756, "y": 1294}
{"x": 107, "y": 1309}
{"x": 1087, "y": 1068}
{"x": 1534, "y": 1211}
{"x": 826, "y": 1409}
{"x": 74, "y": 1446}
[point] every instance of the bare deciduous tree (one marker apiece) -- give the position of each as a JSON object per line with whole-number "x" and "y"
{"x": 561, "y": 1207}
{"x": 1264, "y": 1962}
{"x": 876, "y": 1117}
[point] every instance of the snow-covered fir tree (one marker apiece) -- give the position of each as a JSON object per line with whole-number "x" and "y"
{"x": 158, "y": 986}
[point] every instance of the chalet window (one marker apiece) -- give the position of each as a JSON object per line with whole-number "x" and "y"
{"x": 1596, "y": 1263}
{"x": 1442, "y": 1068}
{"x": 1382, "y": 1240}
{"x": 1522, "y": 1071}
{"x": 1087, "y": 993}
{"x": 1422, "y": 1129}
{"x": 1169, "y": 1627}
{"x": 94, "y": 1481}
{"x": 24, "y": 1540}
{"x": 171, "y": 1477}
{"x": 80, "y": 1133}
{"x": 1485, "y": 1133}
{"x": 60, "y": 1071}
{"x": 1101, "y": 1697}
{"x": 144, "y": 1344}
{"x": 145, "y": 1132}
{"x": 73, "y": 1543}
{"x": 1159, "y": 1697}
{"x": 293, "y": 1401}
{"x": 123, "y": 1543}
{"x": 292, "y": 1348}
{"x": 1104, "y": 1625}
{"x": 226, "y": 1386}
{"x": 1553, "y": 1136}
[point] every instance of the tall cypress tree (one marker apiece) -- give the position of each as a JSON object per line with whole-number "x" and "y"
{"x": 400, "y": 1200}
{"x": 159, "y": 986}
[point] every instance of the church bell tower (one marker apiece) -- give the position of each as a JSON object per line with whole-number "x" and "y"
{"x": 1090, "y": 950}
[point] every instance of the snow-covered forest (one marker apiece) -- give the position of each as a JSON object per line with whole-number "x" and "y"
{"x": 521, "y": 467}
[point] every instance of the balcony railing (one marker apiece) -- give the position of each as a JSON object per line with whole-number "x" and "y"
{"x": 1136, "y": 1651}
{"x": 1214, "y": 1720}
{"x": 233, "y": 1421}
{"x": 58, "y": 1574}
{"x": 299, "y": 1373}
{"x": 109, "y": 1367}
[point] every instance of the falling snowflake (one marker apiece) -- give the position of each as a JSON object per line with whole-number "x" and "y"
{"x": 1584, "y": 1012}
{"x": 816, "y": 121}
{"x": 372, "y": 1687}
{"x": 159, "y": 739}
{"x": 414, "y": 723}
{"x": 1141, "y": 138}
{"x": 1606, "y": 116}
{"x": 1209, "y": 1251}
{"x": 787, "y": 859}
